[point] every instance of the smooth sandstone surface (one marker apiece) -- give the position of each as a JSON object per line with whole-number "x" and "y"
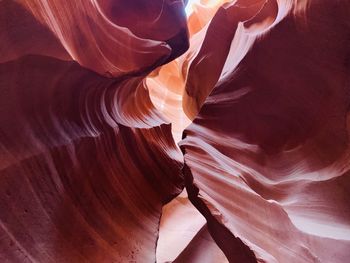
{"x": 131, "y": 131}
{"x": 268, "y": 146}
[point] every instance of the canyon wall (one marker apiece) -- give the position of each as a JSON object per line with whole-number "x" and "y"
{"x": 132, "y": 132}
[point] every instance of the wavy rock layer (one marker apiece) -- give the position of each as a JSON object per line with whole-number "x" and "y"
{"x": 269, "y": 149}
{"x": 87, "y": 156}
{"x": 78, "y": 186}
{"x": 102, "y": 35}
{"x": 86, "y": 162}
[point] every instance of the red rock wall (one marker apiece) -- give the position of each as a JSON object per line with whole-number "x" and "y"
{"x": 89, "y": 113}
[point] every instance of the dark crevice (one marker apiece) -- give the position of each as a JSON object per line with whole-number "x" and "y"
{"x": 233, "y": 247}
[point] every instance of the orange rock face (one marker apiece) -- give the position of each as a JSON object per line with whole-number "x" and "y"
{"x": 131, "y": 131}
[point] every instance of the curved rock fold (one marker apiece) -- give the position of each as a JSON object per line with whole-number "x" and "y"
{"x": 96, "y": 94}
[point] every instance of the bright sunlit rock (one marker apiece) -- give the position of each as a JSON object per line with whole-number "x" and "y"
{"x": 189, "y": 6}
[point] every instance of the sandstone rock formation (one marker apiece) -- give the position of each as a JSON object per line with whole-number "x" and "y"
{"x": 131, "y": 131}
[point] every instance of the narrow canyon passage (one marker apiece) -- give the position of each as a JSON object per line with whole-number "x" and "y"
{"x": 174, "y": 131}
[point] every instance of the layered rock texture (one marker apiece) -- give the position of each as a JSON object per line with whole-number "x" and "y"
{"x": 131, "y": 131}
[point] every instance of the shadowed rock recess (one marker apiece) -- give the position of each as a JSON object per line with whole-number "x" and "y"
{"x": 180, "y": 131}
